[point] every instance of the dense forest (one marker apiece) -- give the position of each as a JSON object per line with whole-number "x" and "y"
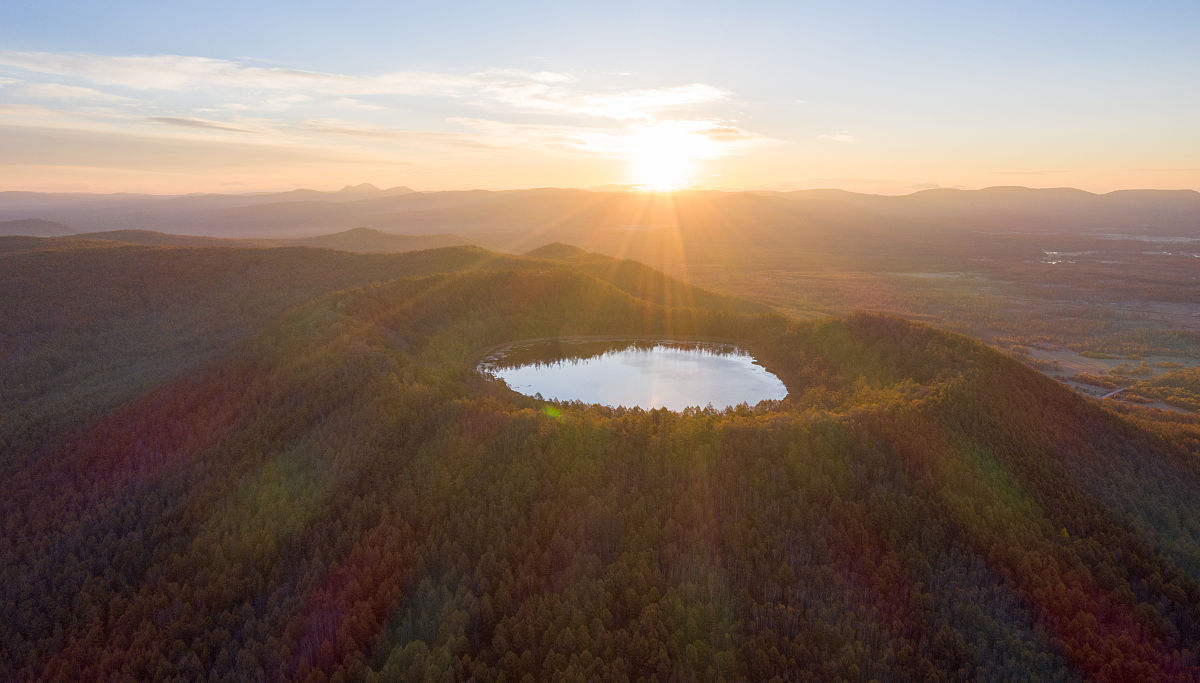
{"x": 239, "y": 464}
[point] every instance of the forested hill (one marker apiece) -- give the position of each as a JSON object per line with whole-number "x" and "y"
{"x": 90, "y": 323}
{"x": 336, "y": 494}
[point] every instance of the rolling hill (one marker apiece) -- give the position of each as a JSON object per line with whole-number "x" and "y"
{"x": 360, "y": 240}
{"x": 297, "y": 474}
{"x": 152, "y": 238}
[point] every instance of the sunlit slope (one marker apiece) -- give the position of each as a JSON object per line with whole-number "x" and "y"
{"x": 642, "y": 280}
{"x": 343, "y": 493}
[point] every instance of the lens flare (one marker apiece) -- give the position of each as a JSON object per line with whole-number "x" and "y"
{"x": 663, "y": 157}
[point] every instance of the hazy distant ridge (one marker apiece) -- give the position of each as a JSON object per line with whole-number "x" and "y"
{"x": 33, "y": 227}
{"x": 522, "y": 219}
{"x": 362, "y": 240}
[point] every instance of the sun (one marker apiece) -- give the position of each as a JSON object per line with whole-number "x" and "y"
{"x": 663, "y": 157}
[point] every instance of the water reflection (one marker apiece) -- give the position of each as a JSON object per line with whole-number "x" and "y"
{"x": 654, "y": 374}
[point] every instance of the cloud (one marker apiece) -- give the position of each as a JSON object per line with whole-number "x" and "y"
{"x": 547, "y": 137}
{"x": 531, "y": 91}
{"x": 199, "y": 97}
{"x": 840, "y": 136}
{"x": 46, "y": 147}
{"x": 346, "y": 130}
{"x": 727, "y": 133}
{"x": 358, "y": 104}
{"x": 180, "y": 72}
{"x": 521, "y": 74}
{"x": 621, "y": 105}
{"x": 696, "y": 139}
{"x": 38, "y": 115}
{"x": 58, "y": 91}
{"x": 197, "y": 123}
{"x": 410, "y": 139}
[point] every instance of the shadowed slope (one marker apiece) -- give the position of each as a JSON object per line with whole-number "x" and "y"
{"x": 373, "y": 241}
{"x": 92, "y": 323}
{"x": 152, "y": 238}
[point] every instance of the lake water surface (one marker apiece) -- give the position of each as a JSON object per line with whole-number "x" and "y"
{"x": 672, "y": 375}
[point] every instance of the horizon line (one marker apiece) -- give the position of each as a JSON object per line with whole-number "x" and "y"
{"x": 613, "y": 188}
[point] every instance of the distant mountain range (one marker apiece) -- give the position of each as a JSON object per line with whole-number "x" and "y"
{"x": 33, "y": 227}
{"x": 366, "y": 240}
{"x": 522, "y": 219}
{"x": 682, "y": 233}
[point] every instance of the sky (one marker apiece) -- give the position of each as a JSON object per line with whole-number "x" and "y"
{"x": 886, "y": 97}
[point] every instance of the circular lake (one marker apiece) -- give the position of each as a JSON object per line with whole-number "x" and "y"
{"x": 656, "y": 374}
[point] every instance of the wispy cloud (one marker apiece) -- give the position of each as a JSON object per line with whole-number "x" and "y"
{"x": 64, "y": 115}
{"x": 106, "y": 149}
{"x": 347, "y": 130}
{"x": 197, "y": 123}
{"x": 622, "y": 105}
{"x": 843, "y": 136}
{"x": 699, "y": 139}
{"x": 181, "y": 72}
{"x": 521, "y": 74}
{"x": 355, "y": 103}
{"x": 547, "y": 137}
{"x": 397, "y": 115}
{"x": 318, "y": 129}
{"x": 529, "y": 91}
{"x": 58, "y": 91}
